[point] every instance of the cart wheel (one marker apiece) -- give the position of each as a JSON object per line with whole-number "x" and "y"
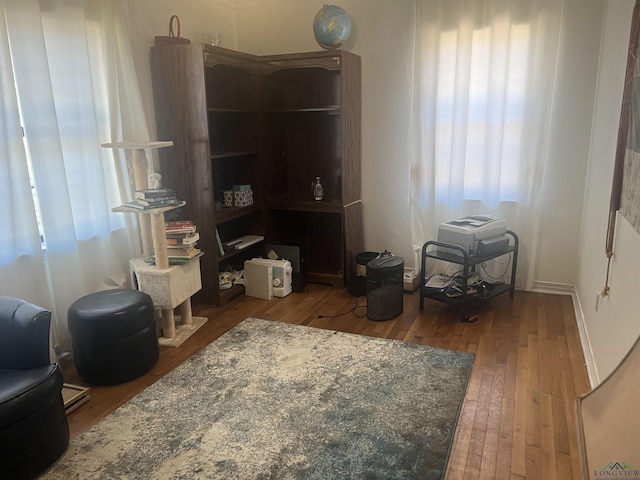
{"x": 469, "y": 318}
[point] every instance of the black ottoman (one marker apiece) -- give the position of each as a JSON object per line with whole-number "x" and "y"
{"x": 113, "y": 334}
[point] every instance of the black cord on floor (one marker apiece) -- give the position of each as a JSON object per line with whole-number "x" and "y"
{"x": 347, "y": 312}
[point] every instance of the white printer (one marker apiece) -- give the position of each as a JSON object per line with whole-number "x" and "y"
{"x": 476, "y": 234}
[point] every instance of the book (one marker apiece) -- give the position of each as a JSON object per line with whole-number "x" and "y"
{"x": 180, "y": 233}
{"x": 141, "y": 206}
{"x": 179, "y": 226}
{"x": 151, "y": 193}
{"x": 184, "y": 254}
{"x": 73, "y": 396}
{"x": 175, "y": 260}
{"x": 157, "y": 201}
{"x": 220, "y": 247}
{"x": 438, "y": 281}
{"x": 244, "y": 241}
{"x": 181, "y": 251}
{"x": 182, "y": 239}
{"x": 233, "y": 242}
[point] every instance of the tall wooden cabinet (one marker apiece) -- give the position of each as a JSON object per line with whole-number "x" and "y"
{"x": 275, "y": 122}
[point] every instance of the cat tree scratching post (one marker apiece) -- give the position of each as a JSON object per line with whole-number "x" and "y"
{"x": 170, "y": 286}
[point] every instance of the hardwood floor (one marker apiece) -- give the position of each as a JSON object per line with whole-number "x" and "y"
{"x": 517, "y": 420}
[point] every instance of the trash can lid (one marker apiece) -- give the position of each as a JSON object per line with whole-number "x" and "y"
{"x": 386, "y": 262}
{"x": 363, "y": 258}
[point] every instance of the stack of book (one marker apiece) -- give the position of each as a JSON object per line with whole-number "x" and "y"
{"x": 153, "y": 198}
{"x": 182, "y": 239}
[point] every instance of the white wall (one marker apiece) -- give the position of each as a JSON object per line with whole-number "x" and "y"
{"x": 615, "y": 325}
{"x": 568, "y": 147}
{"x": 149, "y": 18}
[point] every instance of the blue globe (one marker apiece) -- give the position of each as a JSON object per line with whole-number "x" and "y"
{"x": 331, "y": 26}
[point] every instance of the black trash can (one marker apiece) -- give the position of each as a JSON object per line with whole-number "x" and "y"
{"x": 385, "y": 287}
{"x": 357, "y": 285}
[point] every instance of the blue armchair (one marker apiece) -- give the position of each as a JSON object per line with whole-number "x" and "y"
{"x": 33, "y": 424}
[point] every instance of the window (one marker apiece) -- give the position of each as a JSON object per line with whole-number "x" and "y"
{"x": 480, "y": 108}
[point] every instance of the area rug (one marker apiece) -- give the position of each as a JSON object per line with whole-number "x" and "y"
{"x": 271, "y": 400}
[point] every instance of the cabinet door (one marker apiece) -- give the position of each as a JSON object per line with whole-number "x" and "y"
{"x": 181, "y": 116}
{"x": 208, "y": 105}
{"x": 232, "y": 90}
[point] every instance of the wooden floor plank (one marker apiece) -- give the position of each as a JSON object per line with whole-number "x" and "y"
{"x": 489, "y": 455}
{"x": 517, "y": 420}
{"x": 547, "y": 441}
{"x": 519, "y": 443}
{"x": 533, "y": 395}
{"x": 505, "y": 440}
{"x": 533, "y": 463}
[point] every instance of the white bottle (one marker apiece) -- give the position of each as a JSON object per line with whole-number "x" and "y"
{"x": 318, "y": 189}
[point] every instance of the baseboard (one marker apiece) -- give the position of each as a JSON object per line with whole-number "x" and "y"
{"x": 587, "y": 352}
{"x": 553, "y": 288}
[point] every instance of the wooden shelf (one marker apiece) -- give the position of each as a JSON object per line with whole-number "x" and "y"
{"x": 232, "y": 252}
{"x": 231, "y": 213}
{"x": 299, "y": 204}
{"x": 223, "y": 155}
{"x": 230, "y": 110}
{"x": 150, "y": 211}
{"x": 231, "y": 293}
{"x": 273, "y": 122}
{"x": 335, "y": 109}
{"x": 137, "y": 145}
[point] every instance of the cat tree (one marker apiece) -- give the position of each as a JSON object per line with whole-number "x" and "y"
{"x": 170, "y": 286}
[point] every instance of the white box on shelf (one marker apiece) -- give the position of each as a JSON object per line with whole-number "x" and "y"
{"x": 410, "y": 280}
{"x": 243, "y": 198}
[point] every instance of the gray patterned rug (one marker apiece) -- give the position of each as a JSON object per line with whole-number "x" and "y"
{"x": 270, "y": 400}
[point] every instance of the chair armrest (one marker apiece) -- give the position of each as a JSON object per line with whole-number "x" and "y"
{"x": 24, "y": 334}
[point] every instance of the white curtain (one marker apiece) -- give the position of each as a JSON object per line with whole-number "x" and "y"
{"x": 483, "y": 85}
{"x": 67, "y": 85}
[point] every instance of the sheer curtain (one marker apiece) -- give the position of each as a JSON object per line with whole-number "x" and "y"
{"x": 67, "y": 85}
{"x": 483, "y": 85}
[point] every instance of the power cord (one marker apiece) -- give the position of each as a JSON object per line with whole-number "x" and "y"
{"x": 352, "y": 310}
{"x": 506, "y": 268}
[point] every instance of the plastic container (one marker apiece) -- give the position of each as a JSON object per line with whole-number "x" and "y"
{"x": 362, "y": 259}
